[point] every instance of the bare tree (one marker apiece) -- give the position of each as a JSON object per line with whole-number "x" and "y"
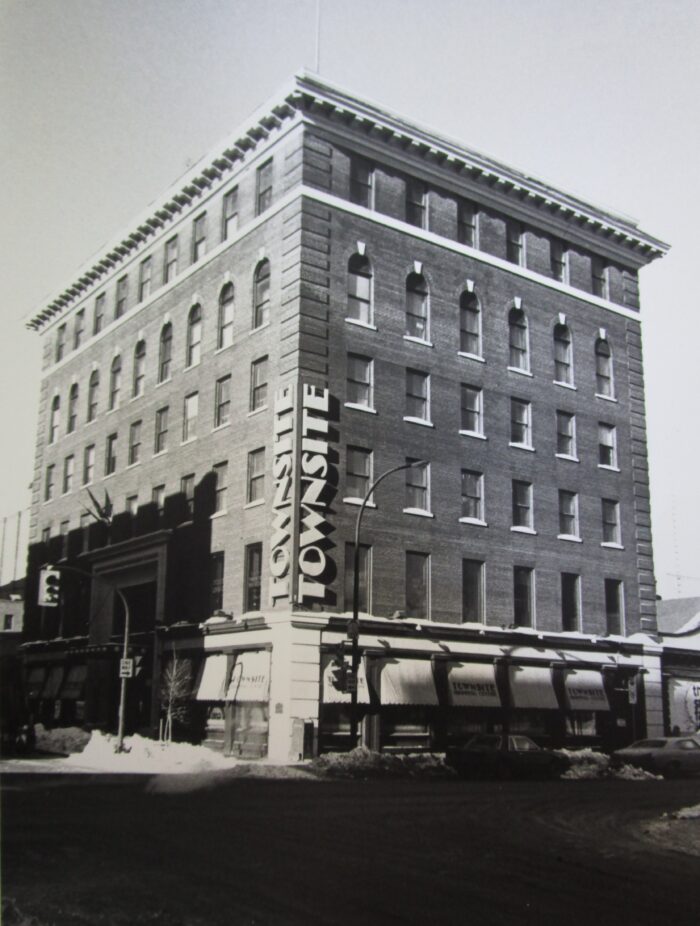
{"x": 175, "y": 690}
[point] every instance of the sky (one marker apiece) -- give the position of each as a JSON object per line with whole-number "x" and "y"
{"x": 104, "y": 103}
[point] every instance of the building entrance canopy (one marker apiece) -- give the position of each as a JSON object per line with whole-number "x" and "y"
{"x": 472, "y": 685}
{"x": 406, "y": 681}
{"x": 585, "y": 691}
{"x": 531, "y": 687}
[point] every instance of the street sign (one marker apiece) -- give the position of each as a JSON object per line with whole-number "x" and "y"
{"x": 351, "y": 682}
{"x": 126, "y": 668}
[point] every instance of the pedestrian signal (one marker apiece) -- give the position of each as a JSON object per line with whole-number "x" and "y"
{"x": 49, "y": 587}
{"x": 339, "y": 670}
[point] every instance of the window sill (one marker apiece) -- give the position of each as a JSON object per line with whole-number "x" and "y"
{"x": 572, "y": 538}
{"x": 523, "y": 530}
{"x": 468, "y": 356}
{"x": 610, "y": 545}
{"x": 256, "y": 411}
{"x": 134, "y": 398}
{"x": 566, "y": 456}
{"x": 421, "y": 421}
{"x": 520, "y": 372}
{"x": 356, "y": 321}
{"x": 353, "y": 500}
{"x": 260, "y": 327}
{"x": 521, "y": 446}
{"x": 220, "y": 350}
{"x": 132, "y": 465}
{"x": 565, "y": 385}
{"x": 190, "y": 440}
{"x": 160, "y": 453}
{"x": 606, "y": 398}
{"x": 473, "y": 434}
{"x": 164, "y": 382}
{"x": 611, "y": 469}
{"x": 109, "y": 475}
{"x": 217, "y": 514}
{"x": 255, "y": 504}
{"x": 476, "y": 521}
{"x": 414, "y": 340}
{"x": 361, "y": 408}
{"x": 220, "y": 427}
{"x": 419, "y": 512}
{"x": 192, "y": 366}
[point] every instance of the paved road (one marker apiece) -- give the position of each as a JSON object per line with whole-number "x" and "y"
{"x": 182, "y": 851}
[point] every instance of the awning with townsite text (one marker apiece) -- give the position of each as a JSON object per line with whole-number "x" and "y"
{"x": 585, "y": 691}
{"x": 250, "y": 679}
{"x": 472, "y": 685}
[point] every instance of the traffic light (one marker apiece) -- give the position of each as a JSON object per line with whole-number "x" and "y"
{"x": 49, "y": 587}
{"x": 339, "y": 670}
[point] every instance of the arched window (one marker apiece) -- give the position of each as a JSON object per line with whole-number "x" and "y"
{"x": 261, "y": 294}
{"x": 93, "y": 389}
{"x": 360, "y": 289}
{"x": 563, "y": 355}
{"x": 417, "y": 308}
{"x": 194, "y": 335}
{"x": 603, "y": 369}
{"x": 165, "y": 353}
{"x": 469, "y": 324}
{"x": 225, "y": 326}
{"x": 72, "y": 408}
{"x": 115, "y": 381}
{"x": 54, "y": 418}
{"x": 518, "y": 341}
{"x": 139, "y": 369}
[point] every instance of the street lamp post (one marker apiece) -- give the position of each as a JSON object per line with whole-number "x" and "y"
{"x": 354, "y": 625}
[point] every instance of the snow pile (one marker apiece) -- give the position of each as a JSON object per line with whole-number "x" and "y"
{"x": 362, "y": 763}
{"x": 585, "y": 764}
{"x": 632, "y": 773}
{"x": 688, "y": 813}
{"x": 145, "y": 755}
{"x": 60, "y": 739}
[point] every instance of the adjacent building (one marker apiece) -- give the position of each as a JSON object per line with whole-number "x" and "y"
{"x": 332, "y": 293}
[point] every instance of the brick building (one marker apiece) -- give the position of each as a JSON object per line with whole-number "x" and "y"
{"x": 331, "y": 293}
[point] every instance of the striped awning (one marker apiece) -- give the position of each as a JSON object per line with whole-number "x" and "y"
{"x": 407, "y": 681}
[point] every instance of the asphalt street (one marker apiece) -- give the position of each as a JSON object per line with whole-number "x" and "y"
{"x": 210, "y": 850}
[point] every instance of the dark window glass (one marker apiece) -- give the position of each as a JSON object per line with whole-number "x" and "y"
{"x": 469, "y": 325}
{"x": 253, "y": 576}
{"x": 472, "y": 591}
{"x": 261, "y": 295}
{"x": 522, "y": 596}
{"x": 417, "y": 585}
{"x": 570, "y": 606}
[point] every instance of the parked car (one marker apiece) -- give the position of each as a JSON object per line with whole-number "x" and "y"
{"x": 497, "y": 755}
{"x": 664, "y": 755}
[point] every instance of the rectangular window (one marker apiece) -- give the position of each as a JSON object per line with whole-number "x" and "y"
{"x": 263, "y": 198}
{"x": 229, "y": 213}
{"x": 359, "y": 383}
{"x": 418, "y": 585}
{"x": 417, "y": 487}
{"x": 614, "y": 607}
{"x": 472, "y": 591}
{"x": 258, "y": 384}
{"x": 570, "y": 602}
{"x": 46, "y": 534}
{"x": 416, "y": 202}
{"x": 607, "y": 445}
{"x": 566, "y": 434}
{"x": 78, "y": 329}
{"x": 187, "y": 489}
{"x": 611, "y": 521}
{"x": 221, "y": 473}
{"x": 189, "y": 418}
{"x": 469, "y": 325}
{"x": 559, "y": 260}
{"x": 520, "y": 423}
{"x": 158, "y": 497}
{"x": 253, "y": 576}
{"x": 359, "y": 472}
{"x": 514, "y": 243}
{"x": 256, "y": 475}
{"x": 199, "y": 237}
{"x": 523, "y": 598}
{"x": 131, "y": 504}
{"x": 7, "y": 622}
{"x": 63, "y": 529}
{"x": 471, "y": 420}
{"x": 222, "y": 401}
{"x": 467, "y": 223}
{"x": 216, "y": 581}
{"x": 160, "y": 442}
{"x": 111, "y": 455}
{"x": 417, "y": 309}
{"x": 145, "y": 273}
{"x": 522, "y": 504}
{"x": 568, "y": 513}
{"x": 98, "y": 317}
{"x": 134, "y": 442}
{"x": 60, "y": 342}
{"x": 170, "y": 260}
{"x": 599, "y": 277}
{"x": 417, "y": 395}
{"x": 472, "y": 495}
{"x": 88, "y": 464}
{"x": 121, "y": 295}
{"x": 365, "y": 577}
{"x": 68, "y": 472}
{"x": 361, "y": 182}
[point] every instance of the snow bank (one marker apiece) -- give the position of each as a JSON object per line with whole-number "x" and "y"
{"x": 585, "y": 764}
{"x": 361, "y": 763}
{"x": 60, "y": 739}
{"x": 145, "y": 755}
{"x": 688, "y": 813}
